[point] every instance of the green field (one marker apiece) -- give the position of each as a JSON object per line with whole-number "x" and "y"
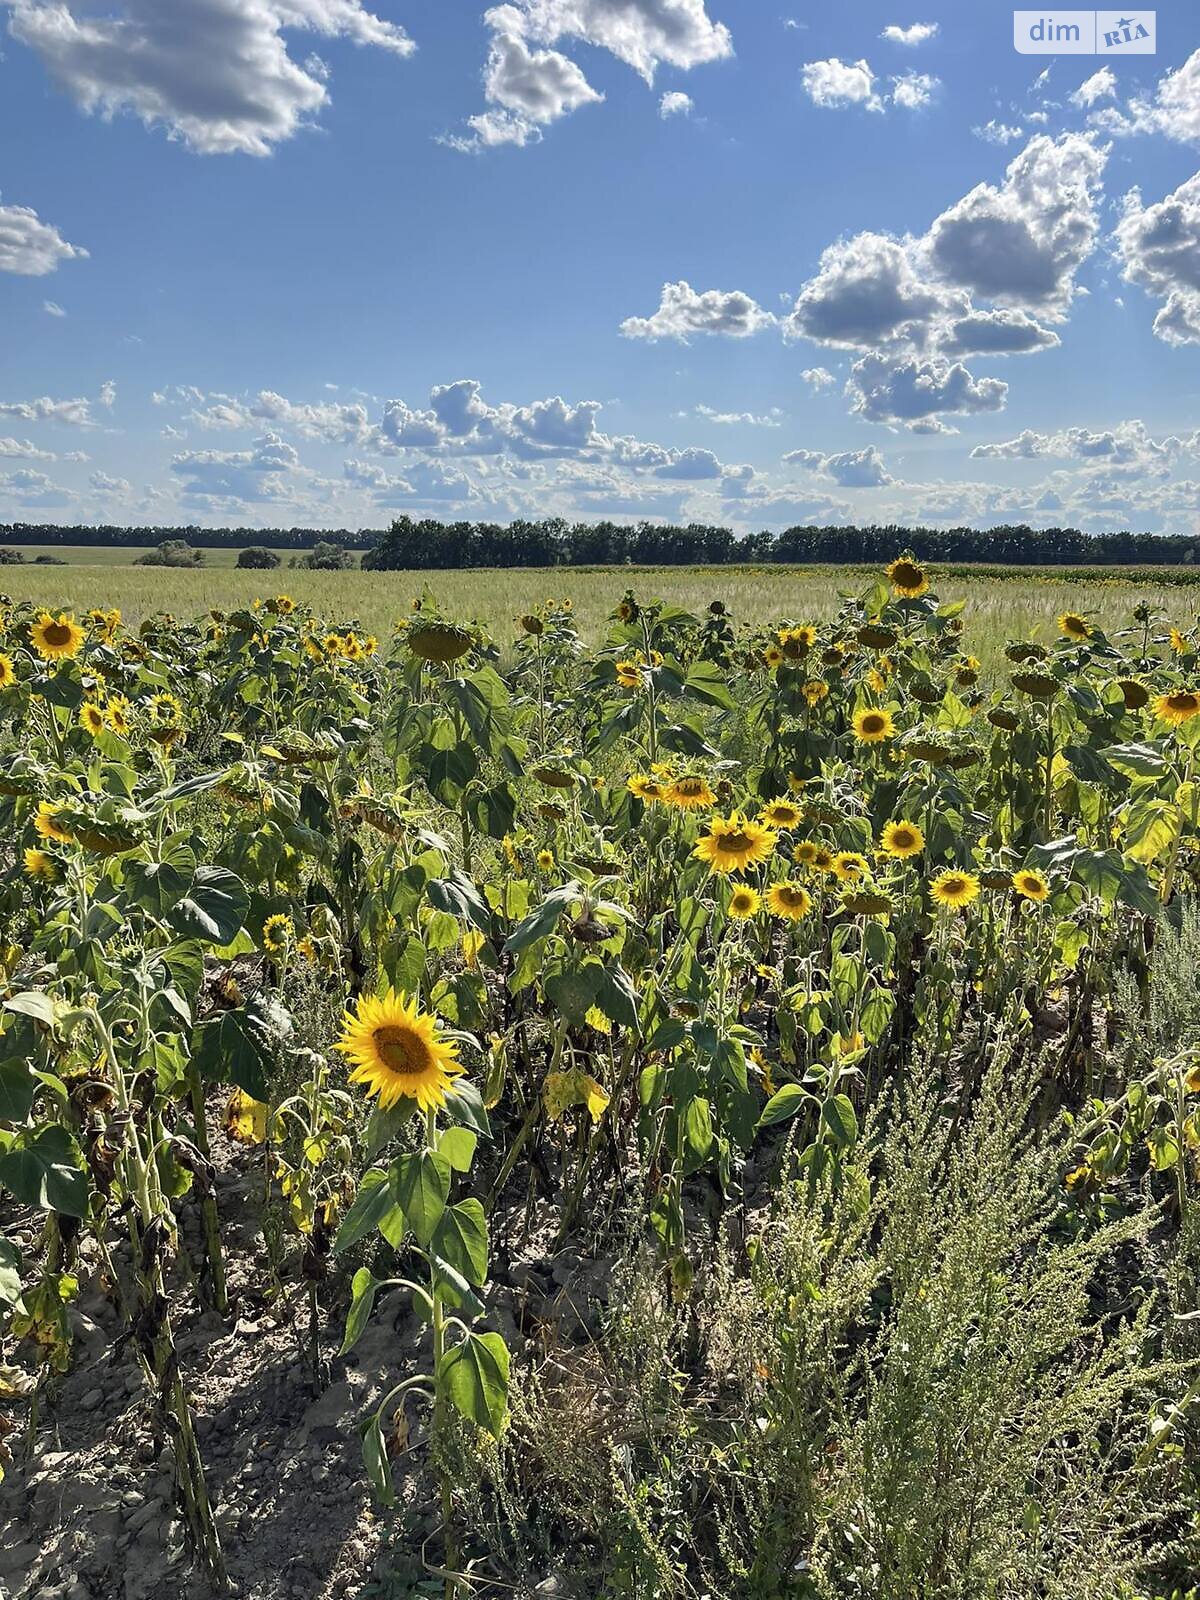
{"x": 1002, "y": 605}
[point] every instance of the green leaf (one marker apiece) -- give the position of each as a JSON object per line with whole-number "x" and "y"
{"x": 462, "y": 1240}
{"x": 838, "y": 1116}
{"x": 616, "y": 996}
{"x": 458, "y": 1147}
{"x": 572, "y": 994}
{"x": 543, "y": 919}
{"x": 375, "y": 1459}
{"x": 158, "y": 886}
{"x": 371, "y": 1204}
{"x": 229, "y": 1049}
{"x": 213, "y": 909}
{"x": 706, "y": 682}
{"x": 784, "y": 1104}
{"x": 45, "y": 1168}
{"x": 17, "y": 1086}
{"x": 459, "y": 896}
{"x": 475, "y": 1376}
{"x": 465, "y": 1104}
{"x": 420, "y": 1185}
{"x": 33, "y": 1003}
{"x": 363, "y": 1286}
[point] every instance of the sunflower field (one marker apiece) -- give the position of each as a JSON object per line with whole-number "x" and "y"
{"x": 716, "y": 1113}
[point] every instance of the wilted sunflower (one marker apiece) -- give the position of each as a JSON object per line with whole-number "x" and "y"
{"x": 744, "y": 902}
{"x": 46, "y": 824}
{"x": 1030, "y": 884}
{"x": 690, "y": 793}
{"x": 56, "y": 638}
{"x": 8, "y": 673}
{"x": 901, "y": 840}
{"x": 907, "y": 577}
{"x": 1178, "y": 707}
{"x": 790, "y": 900}
{"x": 849, "y": 866}
{"x": 873, "y": 726}
{"x": 780, "y": 814}
{"x": 398, "y": 1051}
{"x": 40, "y": 864}
{"x": 954, "y": 889}
{"x": 91, "y": 718}
{"x": 734, "y": 843}
{"x": 648, "y": 789}
{"x": 1074, "y": 626}
{"x": 279, "y": 931}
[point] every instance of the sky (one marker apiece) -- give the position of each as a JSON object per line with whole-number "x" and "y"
{"x": 321, "y": 263}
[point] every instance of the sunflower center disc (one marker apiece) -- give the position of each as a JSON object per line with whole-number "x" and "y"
{"x": 400, "y": 1050}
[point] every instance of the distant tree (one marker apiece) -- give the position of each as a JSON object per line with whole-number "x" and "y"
{"x": 10, "y": 557}
{"x": 325, "y": 556}
{"x": 48, "y": 561}
{"x": 257, "y": 555}
{"x": 172, "y": 553}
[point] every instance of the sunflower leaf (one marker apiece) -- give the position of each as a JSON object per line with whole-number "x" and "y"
{"x": 420, "y": 1185}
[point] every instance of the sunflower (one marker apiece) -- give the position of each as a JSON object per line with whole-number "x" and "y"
{"x": 116, "y": 714}
{"x": 398, "y": 1051}
{"x": 8, "y": 673}
{"x": 744, "y": 902}
{"x": 790, "y": 900}
{"x": 780, "y": 814}
{"x": 954, "y": 889}
{"x": 629, "y": 674}
{"x": 1030, "y": 884}
{"x": 822, "y": 859}
{"x": 284, "y": 605}
{"x": 848, "y": 1044}
{"x": 873, "y": 726}
{"x": 901, "y": 840}
{"x": 773, "y": 655}
{"x": 91, "y": 718}
{"x": 56, "y": 638}
{"x": 734, "y": 843}
{"x": 40, "y": 864}
{"x": 690, "y": 793}
{"x": 815, "y": 690}
{"x": 1177, "y": 707}
{"x": 279, "y": 931}
{"x": 1073, "y": 626}
{"x": 165, "y": 709}
{"x": 849, "y": 866}
{"x": 545, "y": 860}
{"x": 648, "y": 789}
{"x": 907, "y": 577}
{"x": 45, "y": 823}
{"x": 1178, "y": 642}
{"x": 805, "y": 853}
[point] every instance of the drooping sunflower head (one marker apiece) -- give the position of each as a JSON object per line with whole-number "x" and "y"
{"x": 780, "y": 814}
{"x": 645, "y": 788}
{"x": 743, "y": 902}
{"x": 40, "y": 864}
{"x": 690, "y": 793}
{"x": 1178, "y": 707}
{"x": 1030, "y": 885}
{"x": 398, "y": 1051}
{"x": 901, "y": 840}
{"x": 790, "y": 900}
{"x": 907, "y": 577}
{"x": 46, "y": 823}
{"x": 1073, "y": 626}
{"x": 849, "y": 866}
{"x": 873, "y": 725}
{"x": 734, "y": 843}
{"x": 954, "y": 889}
{"x": 56, "y": 638}
{"x": 8, "y": 673}
{"x": 278, "y": 934}
{"x": 629, "y": 674}
{"x": 91, "y": 718}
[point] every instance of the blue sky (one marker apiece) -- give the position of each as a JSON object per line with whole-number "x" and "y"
{"x": 320, "y": 262}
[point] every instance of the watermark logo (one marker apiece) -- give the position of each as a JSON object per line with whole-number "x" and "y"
{"x": 1084, "y": 33}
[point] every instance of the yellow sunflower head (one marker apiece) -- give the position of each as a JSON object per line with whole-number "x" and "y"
{"x": 8, "y": 673}
{"x": 873, "y": 725}
{"x": 1073, "y": 626}
{"x": 91, "y": 718}
{"x": 40, "y": 864}
{"x": 789, "y": 900}
{"x": 1178, "y": 642}
{"x": 1178, "y": 707}
{"x": 278, "y": 934}
{"x": 56, "y": 638}
{"x": 849, "y": 866}
{"x": 545, "y": 860}
{"x": 645, "y": 788}
{"x": 165, "y": 710}
{"x": 743, "y": 902}
{"x": 780, "y": 814}
{"x": 822, "y": 859}
{"x": 907, "y": 577}
{"x": 954, "y": 889}
{"x": 690, "y": 793}
{"x": 805, "y": 853}
{"x": 773, "y": 655}
{"x": 815, "y": 690}
{"x": 901, "y": 840}
{"x": 116, "y": 714}
{"x": 46, "y": 823}
{"x": 734, "y": 843}
{"x": 1030, "y": 885}
{"x": 629, "y": 674}
{"x": 398, "y": 1052}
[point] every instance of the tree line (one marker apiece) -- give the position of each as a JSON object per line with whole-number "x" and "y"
{"x": 423, "y": 543}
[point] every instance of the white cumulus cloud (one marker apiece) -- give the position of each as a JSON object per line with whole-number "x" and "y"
{"x": 30, "y": 247}
{"x": 684, "y": 311}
